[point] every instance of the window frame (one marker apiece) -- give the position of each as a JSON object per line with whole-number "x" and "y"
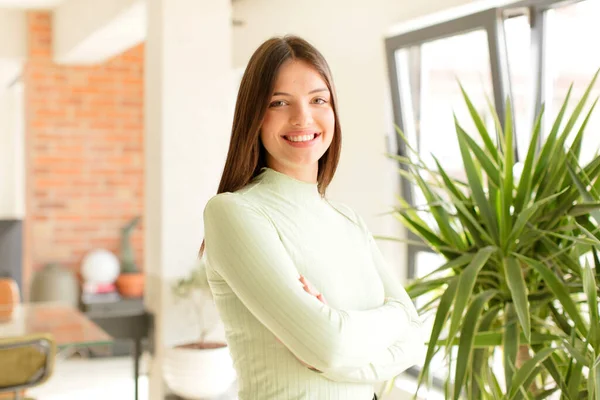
{"x": 492, "y": 22}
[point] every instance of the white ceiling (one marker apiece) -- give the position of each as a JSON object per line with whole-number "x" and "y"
{"x": 30, "y": 4}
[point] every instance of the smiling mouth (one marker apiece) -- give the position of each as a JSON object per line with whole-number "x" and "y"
{"x": 302, "y": 138}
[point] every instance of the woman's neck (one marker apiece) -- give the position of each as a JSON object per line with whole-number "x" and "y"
{"x": 305, "y": 173}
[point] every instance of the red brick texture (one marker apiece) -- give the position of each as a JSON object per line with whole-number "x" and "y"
{"x": 84, "y": 152}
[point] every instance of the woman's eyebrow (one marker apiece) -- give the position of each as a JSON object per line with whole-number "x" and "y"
{"x": 311, "y": 92}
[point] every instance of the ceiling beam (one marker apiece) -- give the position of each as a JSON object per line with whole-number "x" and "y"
{"x": 91, "y": 31}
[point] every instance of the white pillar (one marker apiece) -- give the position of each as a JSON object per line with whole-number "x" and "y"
{"x": 188, "y": 122}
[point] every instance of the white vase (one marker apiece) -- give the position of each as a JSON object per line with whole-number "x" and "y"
{"x": 198, "y": 373}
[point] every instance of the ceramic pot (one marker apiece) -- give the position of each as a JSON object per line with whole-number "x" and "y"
{"x": 9, "y": 298}
{"x": 199, "y": 370}
{"x": 131, "y": 285}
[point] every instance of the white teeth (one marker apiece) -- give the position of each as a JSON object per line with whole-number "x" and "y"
{"x": 303, "y": 138}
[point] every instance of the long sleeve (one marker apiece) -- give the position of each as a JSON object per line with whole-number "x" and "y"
{"x": 243, "y": 247}
{"x": 408, "y": 350}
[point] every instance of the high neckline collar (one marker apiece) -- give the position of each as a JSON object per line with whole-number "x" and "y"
{"x": 287, "y": 185}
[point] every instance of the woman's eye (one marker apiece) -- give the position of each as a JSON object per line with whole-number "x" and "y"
{"x": 320, "y": 100}
{"x": 277, "y": 103}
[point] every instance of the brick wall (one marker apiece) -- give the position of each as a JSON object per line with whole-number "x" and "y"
{"x": 84, "y": 152}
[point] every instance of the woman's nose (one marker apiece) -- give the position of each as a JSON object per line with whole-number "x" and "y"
{"x": 301, "y": 116}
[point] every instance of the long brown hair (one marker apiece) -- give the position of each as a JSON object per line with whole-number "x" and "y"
{"x": 247, "y": 155}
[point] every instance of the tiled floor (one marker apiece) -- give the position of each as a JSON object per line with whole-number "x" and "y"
{"x": 97, "y": 379}
{"x": 92, "y": 379}
{"x": 112, "y": 378}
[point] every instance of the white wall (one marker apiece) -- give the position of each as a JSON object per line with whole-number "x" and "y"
{"x": 12, "y": 189}
{"x": 13, "y": 37}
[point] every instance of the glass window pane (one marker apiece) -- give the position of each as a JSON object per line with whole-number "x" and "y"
{"x": 430, "y": 97}
{"x": 518, "y": 42}
{"x": 429, "y": 108}
{"x": 570, "y": 59}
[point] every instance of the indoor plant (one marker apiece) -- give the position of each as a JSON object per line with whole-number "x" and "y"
{"x": 202, "y": 368}
{"x": 522, "y": 276}
{"x": 130, "y": 282}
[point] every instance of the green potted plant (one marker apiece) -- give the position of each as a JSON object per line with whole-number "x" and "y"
{"x": 202, "y": 368}
{"x": 130, "y": 282}
{"x": 522, "y": 276}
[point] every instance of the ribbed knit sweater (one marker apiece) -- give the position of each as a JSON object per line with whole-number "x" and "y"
{"x": 258, "y": 241}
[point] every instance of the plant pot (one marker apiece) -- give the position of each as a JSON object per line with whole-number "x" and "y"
{"x": 131, "y": 285}
{"x": 9, "y": 298}
{"x": 198, "y": 370}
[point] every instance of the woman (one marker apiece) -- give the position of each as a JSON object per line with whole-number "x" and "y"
{"x": 309, "y": 308}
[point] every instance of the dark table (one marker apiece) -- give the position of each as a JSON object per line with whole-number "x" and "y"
{"x": 123, "y": 319}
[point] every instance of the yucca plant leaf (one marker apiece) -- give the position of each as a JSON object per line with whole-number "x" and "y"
{"x": 465, "y": 287}
{"x": 467, "y": 215}
{"x": 567, "y": 238}
{"x": 584, "y": 193}
{"x": 405, "y": 140}
{"x": 480, "y": 355}
{"x": 558, "y": 155}
{"x": 575, "y": 353}
{"x": 591, "y": 293}
{"x": 590, "y": 235}
{"x": 440, "y": 319}
{"x": 584, "y": 209}
{"x": 524, "y": 188}
{"x": 574, "y": 381}
{"x": 577, "y": 142}
{"x": 418, "y": 289}
{"x": 507, "y": 185}
{"x": 526, "y": 370}
{"x": 494, "y": 385}
{"x": 510, "y": 343}
{"x": 419, "y": 227}
{"x": 498, "y": 126}
{"x": 456, "y": 263}
{"x": 481, "y": 391}
{"x": 523, "y": 391}
{"x": 553, "y": 370}
{"x": 465, "y": 347}
{"x": 548, "y": 147}
{"x": 487, "y": 163}
{"x": 440, "y": 215}
{"x": 495, "y": 339}
{"x": 518, "y": 290}
{"x": 594, "y": 380}
{"x": 577, "y": 111}
{"x": 559, "y": 291}
{"x": 547, "y": 393}
{"x": 481, "y": 129}
{"x": 476, "y": 185}
{"x": 524, "y": 217}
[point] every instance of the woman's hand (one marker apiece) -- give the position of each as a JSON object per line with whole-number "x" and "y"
{"x": 310, "y": 289}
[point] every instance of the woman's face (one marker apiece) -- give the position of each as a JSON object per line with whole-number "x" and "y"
{"x": 299, "y": 123}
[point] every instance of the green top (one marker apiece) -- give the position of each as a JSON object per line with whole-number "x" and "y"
{"x": 258, "y": 241}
